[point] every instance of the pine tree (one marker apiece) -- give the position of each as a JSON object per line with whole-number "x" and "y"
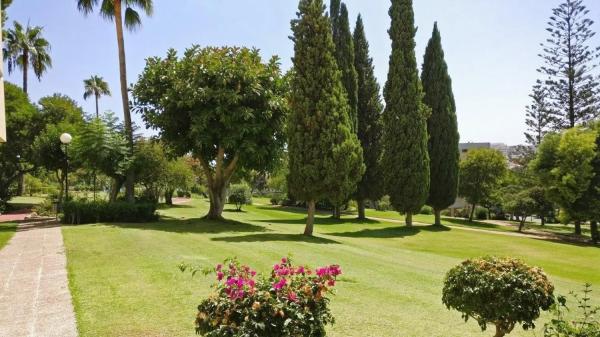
{"x": 405, "y": 159}
{"x": 442, "y": 127}
{"x": 369, "y": 121}
{"x": 540, "y": 114}
{"x": 569, "y": 64}
{"x": 325, "y": 158}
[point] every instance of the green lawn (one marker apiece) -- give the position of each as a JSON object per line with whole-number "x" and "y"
{"x": 125, "y": 282}
{"x": 25, "y": 201}
{"x": 7, "y": 230}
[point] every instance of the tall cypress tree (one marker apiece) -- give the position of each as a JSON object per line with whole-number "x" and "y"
{"x": 405, "y": 159}
{"x": 344, "y": 55}
{"x": 369, "y": 120}
{"x": 325, "y": 157}
{"x": 442, "y": 127}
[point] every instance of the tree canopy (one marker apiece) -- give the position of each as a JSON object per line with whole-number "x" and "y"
{"x": 223, "y": 105}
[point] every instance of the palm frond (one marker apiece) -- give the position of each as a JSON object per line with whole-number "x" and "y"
{"x": 147, "y": 6}
{"x": 132, "y": 19}
{"x": 107, "y": 9}
{"x": 86, "y": 6}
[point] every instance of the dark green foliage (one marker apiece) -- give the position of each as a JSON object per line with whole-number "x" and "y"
{"x": 521, "y": 205}
{"x": 569, "y": 64}
{"x": 223, "y": 105}
{"x": 405, "y": 159}
{"x": 442, "y": 126}
{"x": 500, "y": 291}
{"x": 325, "y": 157}
{"x": 240, "y": 195}
{"x": 345, "y": 56}
{"x": 587, "y": 323}
{"x": 83, "y": 212}
{"x": 23, "y": 125}
{"x": 369, "y": 114}
{"x": 540, "y": 114}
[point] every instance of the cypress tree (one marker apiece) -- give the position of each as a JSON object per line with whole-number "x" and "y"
{"x": 442, "y": 127}
{"x": 369, "y": 120}
{"x": 325, "y": 158}
{"x": 344, "y": 55}
{"x": 405, "y": 160}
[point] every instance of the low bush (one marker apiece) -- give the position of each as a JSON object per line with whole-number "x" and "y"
{"x": 240, "y": 195}
{"x": 587, "y": 324}
{"x": 275, "y": 199}
{"x": 383, "y": 204}
{"x": 45, "y": 208}
{"x": 427, "y": 210}
{"x": 84, "y": 212}
{"x": 291, "y": 301}
{"x": 481, "y": 213}
{"x": 500, "y": 291}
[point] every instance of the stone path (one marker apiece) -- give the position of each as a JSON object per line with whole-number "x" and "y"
{"x": 34, "y": 295}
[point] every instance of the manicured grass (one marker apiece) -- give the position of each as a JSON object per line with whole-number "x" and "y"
{"x": 7, "y": 230}
{"x": 27, "y": 201}
{"x": 125, "y": 282}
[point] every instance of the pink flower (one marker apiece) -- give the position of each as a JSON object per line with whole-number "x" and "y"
{"x": 220, "y": 276}
{"x": 331, "y": 283}
{"x": 276, "y": 267}
{"x": 284, "y": 260}
{"x": 219, "y": 267}
{"x": 292, "y": 296}
{"x": 300, "y": 270}
{"x": 279, "y": 285}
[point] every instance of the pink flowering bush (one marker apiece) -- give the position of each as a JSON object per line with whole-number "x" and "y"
{"x": 291, "y": 301}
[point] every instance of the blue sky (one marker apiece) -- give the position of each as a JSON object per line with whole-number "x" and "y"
{"x": 491, "y": 47}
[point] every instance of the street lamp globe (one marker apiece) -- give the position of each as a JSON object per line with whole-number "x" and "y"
{"x": 66, "y": 138}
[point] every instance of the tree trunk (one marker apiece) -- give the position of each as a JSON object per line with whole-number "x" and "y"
{"x": 337, "y": 212}
{"x": 438, "y": 216}
{"x": 543, "y": 220}
{"x": 169, "y": 197}
{"x": 97, "y": 109}
{"x": 310, "y": 219}
{"x": 130, "y": 181}
{"x": 217, "y": 196}
{"x": 472, "y": 212}
{"x": 409, "y": 217}
{"x": 94, "y": 185}
{"x": 25, "y": 70}
{"x": 114, "y": 189}
{"x": 595, "y": 234}
{"x": 522, "y": 224}
{"x": 578, "y": 227}
{"x": 499, "y": 332}
{"x": 361, "y": 209}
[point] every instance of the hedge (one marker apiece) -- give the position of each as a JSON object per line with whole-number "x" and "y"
{"x": 84, "y": 212}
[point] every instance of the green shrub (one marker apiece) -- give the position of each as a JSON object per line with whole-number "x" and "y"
{"x": 481, "y": 213}
{"x": 275, "y": 199}
{"x": 290, "y": 301}
{"x": 427, "y": 210}
{"x": 45, "y": 208}
{"x": 500, "y": 291}
{"x": 84, "y": 212}
{"x": 383, "y": 204}
{"x": 240, "y": 195}
{"x": 586, "y": 325}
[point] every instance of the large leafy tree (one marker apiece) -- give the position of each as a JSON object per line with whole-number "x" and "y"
{"x": 97, "y": 87}
{"x": 3, "y": 5}
{"x": 442, "y": 127}
{"x": 565, "y": 163}
{"x": 481, "y": 173}
{"x": 125, "y": 14}
{"x": 325, "y": 157}
{"x": 405, "y": 160}
{"x": 369, "y": 114}
{"x": 26, "y": 47}
{"x": 224, "y": 105}
{"x": 540, "y": 114}
{"x": 569, "y": 62}
{"x": 59, "y": 114}
{"x": 24, "y": 124}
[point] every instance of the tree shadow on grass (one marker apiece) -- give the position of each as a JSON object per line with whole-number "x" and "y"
{"x": 391, "y": 232}
{"x": 467, "y": 223}
{"x": 174, "y": 206}
{"x": 196, "y": 225}
{"x": 265, "y": 237}
{"x": 321, "y": 221}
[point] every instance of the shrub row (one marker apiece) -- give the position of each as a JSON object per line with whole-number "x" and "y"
{"x": 84, "y": 212}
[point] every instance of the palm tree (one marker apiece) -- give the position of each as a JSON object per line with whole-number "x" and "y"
{"x": 97, "y": 87}
{"x": 27, "y": 47}
{"x": 112, "y": 10}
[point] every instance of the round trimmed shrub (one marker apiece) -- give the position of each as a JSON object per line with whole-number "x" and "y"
{"x": 240, "y": 195}
{"x": 500, "y": 291}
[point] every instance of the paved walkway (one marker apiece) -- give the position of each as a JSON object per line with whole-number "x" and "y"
{"x": 15, "y": 216}
{"x": 34, "y": 295}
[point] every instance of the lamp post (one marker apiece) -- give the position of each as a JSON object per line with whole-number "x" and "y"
{"x": 66, "y": 138}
